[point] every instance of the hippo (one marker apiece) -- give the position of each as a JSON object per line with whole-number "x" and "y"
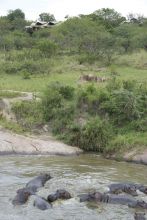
{"x": 117, "y": 188}
{"x": 129, "y": 188}
{"x": 31, "y": 190}
{"x": 41, "y": 203}
{"x": 59, "y": 194}
{"x": 141, "y": 188}
{"x": 22, "y": 196}
{"x": 38, "y": 181}
{"x": 113, "y": 199}
{"x": 139, "y": 216}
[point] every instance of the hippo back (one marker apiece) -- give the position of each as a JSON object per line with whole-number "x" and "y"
{"x": 38, "y": 181}
{"x": 41, "y": 203}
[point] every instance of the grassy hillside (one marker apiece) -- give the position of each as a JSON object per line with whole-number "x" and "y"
{"x": 108, "y": 112}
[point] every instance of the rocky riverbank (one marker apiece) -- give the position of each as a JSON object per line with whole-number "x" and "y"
{"x": 134, "y": 156}
{"x": 11, "y": 143}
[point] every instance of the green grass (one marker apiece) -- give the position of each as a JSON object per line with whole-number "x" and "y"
{"x": 9, "y": 94}
{"x": 12, "y": 126}
{"x": 137, "y": 59}
{"x": 128, "y": 142}
{"x": 132, "y": 73}
{"x": 67, "y": 71}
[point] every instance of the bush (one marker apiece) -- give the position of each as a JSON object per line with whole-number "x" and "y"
{"x": 121, "y": 143}
{"x": 48, "y": 48}
{"x": 73, "y": 135}
{"x": 63, "y": 117}
{"x": 51, "y": 101}
{"x": 25, "y": 75}
{"x": 54, "y": 97}
{"x": 90, "y": 98}
{"x": 28, "y": 113}
{"x": 66, "y": 91}
{"x": 123, "y": 106}
{"x": 139, "y": 125}
{"x": 87, "y": 58}
{"x": 95, "y": 135}
{"x": 130, "y": 85}
{"x": 11, "y": 67}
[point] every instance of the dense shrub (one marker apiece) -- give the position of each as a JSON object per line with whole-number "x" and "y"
{"x": 51, "y": 101}
{"x": 28, "y": 113}
{"x": 47, "y": 47}
{"x": 123, "y": 106}
{"x": 63, "y": 117}
{"x": 95, "y": 135}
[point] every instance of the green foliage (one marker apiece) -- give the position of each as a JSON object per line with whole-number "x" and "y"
{"x": 30, "y": 64}
{"x": 51, "y": 101}
{"x": 12, "y": 126}
{"x": 121, "y": 143}
{"x": 25, "y": 75}
{"x": 47, "y": 47}
{"x": 63, "y": 117}
{"x": 123, "y": 106}
{"x": 137, "y": 60}
{"x": 66, "y": 91}
{"x": 140, "y": 125}
{"x": 108, "y": 17}
{"x": 28, "y": 114}
{"x": 46, "y": 17}
{"x": 95, "y": 135}
{"x": 15, "y": 14}
{"x": 17, "y": 19}
{"x": 87, "y": 58}
{"x": 53, "y": 54}
{"x": 9, "y": 94}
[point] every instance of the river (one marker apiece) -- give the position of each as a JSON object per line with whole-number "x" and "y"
{"x": 79, "y": 174}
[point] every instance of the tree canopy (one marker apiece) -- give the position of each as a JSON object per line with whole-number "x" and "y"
{"x": 47, "y": 17}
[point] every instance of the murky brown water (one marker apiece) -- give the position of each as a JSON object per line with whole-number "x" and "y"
{"x": 79, "y": 174}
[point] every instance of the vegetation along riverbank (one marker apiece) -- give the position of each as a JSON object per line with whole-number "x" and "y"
{"x": 87, "y": 77}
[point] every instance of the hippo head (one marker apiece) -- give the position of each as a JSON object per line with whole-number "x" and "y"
{"x": 52, "y": 197}
{"x": 47, "y": 176}
{"x": 144, "y": 189}
{"x": 98, "y": 196}
{"x": 142, "y": 204}
{"x": 30, "y": 190}
{"x": 132, "y": 190}
{"x": 63, "y": 194}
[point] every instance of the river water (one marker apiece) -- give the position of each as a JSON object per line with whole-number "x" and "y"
{"x": 84, "y": 173}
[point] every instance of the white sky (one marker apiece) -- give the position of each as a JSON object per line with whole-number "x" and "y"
{"x": 61, "y": 8}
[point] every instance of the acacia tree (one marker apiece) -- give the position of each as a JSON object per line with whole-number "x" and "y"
{"x": 108, "y": 17}
{"x": 47, "y": 17}
{"x": 15, "y": 14}
{"x": 16, "y": 19}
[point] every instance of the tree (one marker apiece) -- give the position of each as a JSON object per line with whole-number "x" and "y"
{"x": 16, "y": 18}
{"x": 126, "y": 33}
{"x": 5, "y": 25}
{"x": 16, "y": 14}
{"x": 47, "y": 47}
{"x": 135, "y": 18}
{"x": 108, "y": 17}
{"x": 46, "y": 17}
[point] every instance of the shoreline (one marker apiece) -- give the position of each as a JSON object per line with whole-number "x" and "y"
{"x": 21, "y": 145}
{"x": 11, "y": 143}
